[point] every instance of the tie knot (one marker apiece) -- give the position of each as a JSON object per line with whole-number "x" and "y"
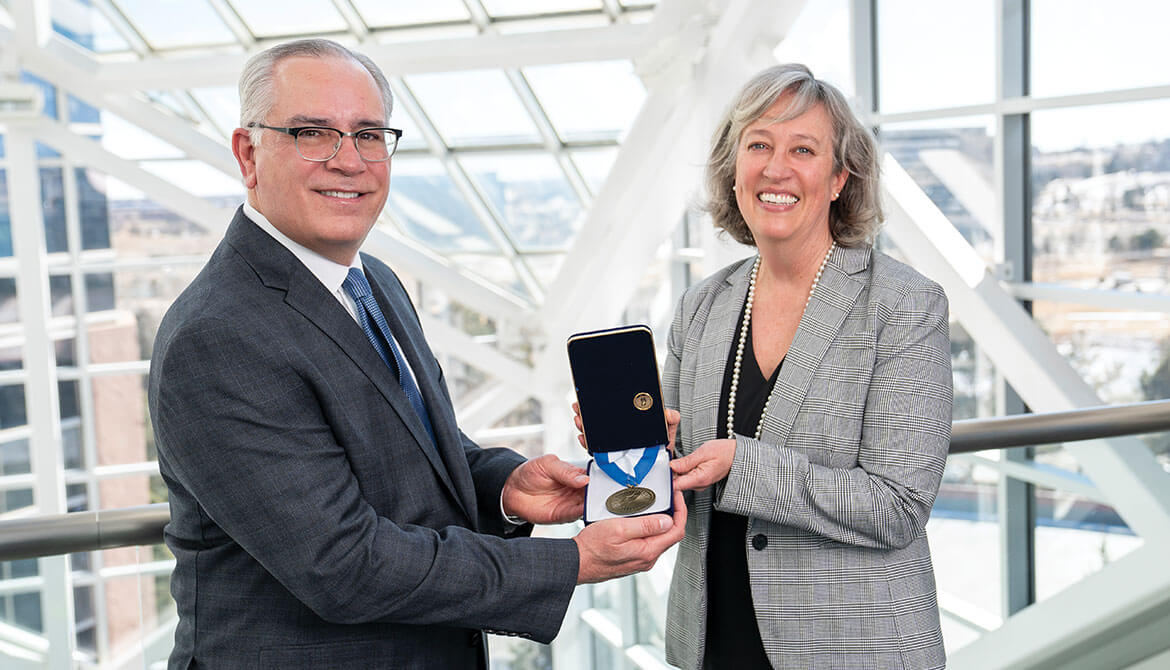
{"x": 355, "y": 284}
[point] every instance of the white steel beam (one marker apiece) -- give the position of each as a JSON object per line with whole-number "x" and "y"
{"x": 411, "y": 257}
{"x": 485, "y": 51}
{"x": 40, "y": 388}
{"x": 1111, "y": 619}
{"x": 66, "y": 66}
{"x": 88, "y": 152}
{"x": 691, "y": 74}
{"x": 1123, "y": 469}
{"x": 458, "y": 344}
{"x": 488, "y": 407}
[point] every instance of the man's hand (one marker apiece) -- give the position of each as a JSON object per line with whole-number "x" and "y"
{"x": 704, "y": 466}
{"x": 672, "y": 419}
{"x": 546, "y": 490}
{"x": 618, "y": 547}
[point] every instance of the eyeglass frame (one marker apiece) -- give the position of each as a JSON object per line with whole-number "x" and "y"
{"x": 295, "y": 131}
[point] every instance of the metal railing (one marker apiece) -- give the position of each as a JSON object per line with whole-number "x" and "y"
{"x": 54, "y": 534}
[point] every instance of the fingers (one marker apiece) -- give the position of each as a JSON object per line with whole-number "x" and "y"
{"x": 580, "y": 426}
{"x": 565, "y": 473}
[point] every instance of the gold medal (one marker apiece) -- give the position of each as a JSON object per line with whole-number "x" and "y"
{"x": 630, "y": 500}
{"x": 643, "y": 401}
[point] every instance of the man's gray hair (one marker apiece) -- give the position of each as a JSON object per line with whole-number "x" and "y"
{"x": 855, "y": 216}
{"x": 257, "y": 78}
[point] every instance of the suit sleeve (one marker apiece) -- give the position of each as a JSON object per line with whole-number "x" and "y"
{"x": 243, "y": 430}
{"x": 885, "y": 500}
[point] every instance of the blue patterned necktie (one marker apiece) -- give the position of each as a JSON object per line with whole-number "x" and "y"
{"x": 372, "y": 321}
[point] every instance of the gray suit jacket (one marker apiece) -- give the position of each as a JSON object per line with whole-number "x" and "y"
{"x": 313, "y": 522}
{"x": 840, "y": 483}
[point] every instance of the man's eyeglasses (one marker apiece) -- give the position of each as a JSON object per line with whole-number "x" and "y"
{"x": 321, "y": 143}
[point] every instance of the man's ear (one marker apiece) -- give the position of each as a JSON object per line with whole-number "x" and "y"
{"x": 245, "y": 153}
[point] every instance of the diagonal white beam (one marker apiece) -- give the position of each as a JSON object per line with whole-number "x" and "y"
{"x": 66, "y": 66}
{"x": 87, "y": 152}
{"x": 489, "y": 406}
{"x": 414, "y": 259}
{"x": 1113, "y": 618}
{"x": 1123, "y": 469}
{"x": 485, "y": 51}
{"x": 513, "y": 374}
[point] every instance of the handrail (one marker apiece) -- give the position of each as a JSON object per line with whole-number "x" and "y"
{"x": 54, "y": 534}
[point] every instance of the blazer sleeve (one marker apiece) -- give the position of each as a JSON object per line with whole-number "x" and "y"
{"x": 246, "y": 435}
{"x": 885, "y": 500}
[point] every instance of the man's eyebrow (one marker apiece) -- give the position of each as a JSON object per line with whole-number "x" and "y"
{"x": 301, "y": 120}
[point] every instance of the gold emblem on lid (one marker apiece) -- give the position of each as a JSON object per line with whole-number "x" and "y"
{"x": 643, "y": 401}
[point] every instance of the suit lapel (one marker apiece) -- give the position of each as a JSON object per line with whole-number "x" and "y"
{"x": 717, "y": 338}
{"x": 278, "y": 268}
{"x": 398, "y": 312}
{"x": 831, "y": 302}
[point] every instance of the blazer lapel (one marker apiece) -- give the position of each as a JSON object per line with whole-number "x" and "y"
{"x": 717, "y": 339}
{"x": 835, "y": 294}
{"x": 443, "y": 422}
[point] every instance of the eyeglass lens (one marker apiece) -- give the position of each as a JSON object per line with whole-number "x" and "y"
{"x": 321, "y": 144}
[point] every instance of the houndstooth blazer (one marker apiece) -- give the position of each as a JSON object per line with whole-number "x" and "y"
{"x": 839, "y": 486}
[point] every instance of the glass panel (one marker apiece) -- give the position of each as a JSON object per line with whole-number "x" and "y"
{"x": 60, "y": 295}
{"x": 95, "y": 219}
{"x": 594, "y": 165}
{"x": 815, "y": 39}
{"x": 130, "y": 606}
{"x": 222, "y": 104}
{"x": 528, "y": 7}
{"x": 1075, "y": 537}
{"x": 474, "y": 108}
{"x": 545, "y": 266}
{"x": 5, "y": 217}
{"x": 119, "y": 407}
{"x": 81, "y": 111}
{"x": 1101, "y": 210}
{"x": 432, "y": 210}
{"x": 53, "y": 209}
{"x": 953, "y": 162}
{"x": 496, "y": 269}
{"x": 83, "y": 616}
{"x": 965, "y": 544}
{"x": 142, "y": 228}
{"x": 15, "y": 458}
{"x": 1083, "y": 45}
{"x": 80, "y": 22}
{"x": 48, "y": 92}
{"x": 9, "y": 309}
{"x": 176, "y": 23}
{"x": 588, "y": 101}
{"x": 412, "y": 137}
{"x": 387, "y": 13}
{"x": 975, "y": 386}
{"x": 529, "y": 191}
{"x": 16, "y": 500}
{"x": 134, "y": 302}
{"x": 12, "y": 407}
{"x": 960, "y": 38}
{"x": 270, "y": 18}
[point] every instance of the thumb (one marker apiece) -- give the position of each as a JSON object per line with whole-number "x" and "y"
{"x": 566, "y": 473}
{"x": 655, "y": 524}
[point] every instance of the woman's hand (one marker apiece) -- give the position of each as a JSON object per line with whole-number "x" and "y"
{"x": 672, "y": 420}
{"x": 704, "y": 466}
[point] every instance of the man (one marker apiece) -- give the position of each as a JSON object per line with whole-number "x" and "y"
{"x": 326, "y": 511}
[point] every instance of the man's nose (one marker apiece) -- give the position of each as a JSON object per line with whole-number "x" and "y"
{"x": 347, "y": 158}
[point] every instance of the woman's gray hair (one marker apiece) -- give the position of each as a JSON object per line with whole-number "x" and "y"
{"x": 856, "y": 215}
{"x": 257, "y": 78}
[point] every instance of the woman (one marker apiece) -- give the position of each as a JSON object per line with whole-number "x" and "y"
{"x": 814, "y": 386}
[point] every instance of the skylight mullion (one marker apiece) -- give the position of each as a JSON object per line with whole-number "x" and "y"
{"x": 353, "y": 19}
{"x": 126, "y": 28}
{"x": 228, "y": 14}
{"x": 475, "y": 200}
{"x": 479, "y": 16}
{"x": 552, "y": 141}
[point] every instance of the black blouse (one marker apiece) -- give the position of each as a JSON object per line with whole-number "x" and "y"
{"x": 733, "y": 638}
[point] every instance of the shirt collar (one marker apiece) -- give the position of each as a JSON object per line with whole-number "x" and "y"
{"x": 329, "y": 273}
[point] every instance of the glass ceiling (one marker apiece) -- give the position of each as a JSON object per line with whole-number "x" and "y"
{"x": 496, "y": 169}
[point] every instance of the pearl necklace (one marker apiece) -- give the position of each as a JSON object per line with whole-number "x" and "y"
{"x": 743, "y": 334}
